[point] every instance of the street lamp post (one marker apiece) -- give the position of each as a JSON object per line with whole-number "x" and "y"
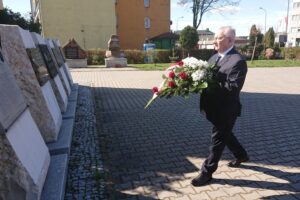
{"x": 287, "y": 17}
{"x": 265, "y": 18}
{"x": 177, "y": 22}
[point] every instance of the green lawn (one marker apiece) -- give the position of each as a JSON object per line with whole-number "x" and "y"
{"x": 255, "y": 63}
{"x": 274, "y": 63}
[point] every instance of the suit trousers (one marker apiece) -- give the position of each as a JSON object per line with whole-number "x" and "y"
{"x": 222, "y": 136}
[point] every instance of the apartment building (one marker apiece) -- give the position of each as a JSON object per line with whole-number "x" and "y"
{"x": 140, "y": 20}
{"x": 294, "y": 25}
{"x": 90, "y": 23}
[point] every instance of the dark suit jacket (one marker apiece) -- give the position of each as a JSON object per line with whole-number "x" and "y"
{"x": 223, "y": 101}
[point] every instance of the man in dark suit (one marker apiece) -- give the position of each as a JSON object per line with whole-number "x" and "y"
{"x": 220, "y": 103}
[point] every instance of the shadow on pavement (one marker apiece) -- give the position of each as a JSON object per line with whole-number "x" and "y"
{"x": 153, "y": 153}
{"x": 287, "y": 177}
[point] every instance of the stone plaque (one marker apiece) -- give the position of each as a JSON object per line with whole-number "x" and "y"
{"x": 48, "y": 60}
{"x": 12, "y": 103}
{"x": 58, "y": 56}
{"x": 71, "y": 52}
{"x": 59, "y": 50}
{"x": 62, "y": 54}
{"x": 38, "y": 65}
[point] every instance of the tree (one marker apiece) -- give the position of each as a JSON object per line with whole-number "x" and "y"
{"x": 255, "y": 33}
{"x": 269, "y": 38}
{"x": 188, "y": 38}
{"x": 200, "y": 7}
{"x": 7, "y": 16}
{"x": 255, "y": 37}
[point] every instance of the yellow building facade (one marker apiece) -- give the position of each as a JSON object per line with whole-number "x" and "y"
{"x": 139, "y": 20}
{"x": 90, "y": 23}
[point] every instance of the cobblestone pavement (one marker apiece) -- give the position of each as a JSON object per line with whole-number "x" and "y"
{"x": 154, "y": 153}
{"x": 85, "y": 172}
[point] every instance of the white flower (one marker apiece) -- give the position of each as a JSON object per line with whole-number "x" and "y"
{"x": 197, "y": 75}
{"x": 193, "y": 63}
{"x": 190, "y": 62}
{"x": 203, "y": 64}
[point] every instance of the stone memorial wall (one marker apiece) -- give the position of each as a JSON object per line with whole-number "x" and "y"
{"x": 65, "y": 65}
{"x": 55, "y": 81}
{"x": 13, "y": 103}
{"x": 54, "y": 62}
{"x": 21, "y": 143}
{"x": 61, "y": 67}
{"x": 36, "y": 116}
{"x": 14, "y": 52}
{"x": 43, "y": 77}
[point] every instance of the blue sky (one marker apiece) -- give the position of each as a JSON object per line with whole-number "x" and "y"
{"x": 241, "y": 17}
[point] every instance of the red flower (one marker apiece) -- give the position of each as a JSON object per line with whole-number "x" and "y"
{"x": 183, "y": 75}
{"x": 154, "y": 89}
{"x": 171, "y": 84}
{"x": 171, "y": 75}
{"x": 180, "y": 63}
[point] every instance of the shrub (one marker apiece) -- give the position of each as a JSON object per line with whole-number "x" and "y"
{"x": 134, "y": 56}
{"x": 203, "y": 54}
{"x": 96, "y": 57}
{"x": 162, "y": 55}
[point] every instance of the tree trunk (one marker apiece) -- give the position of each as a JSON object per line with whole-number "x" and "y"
{"x": 254, "y": 49}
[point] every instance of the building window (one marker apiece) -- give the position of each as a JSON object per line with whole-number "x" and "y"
{"x": 296, "y": 5}
{"x": 146, "y": 3}
{"x": 147, "y": 22}
{"x": 295, "y": 17}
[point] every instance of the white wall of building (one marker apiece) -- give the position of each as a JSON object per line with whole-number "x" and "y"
{"x": 294, "y": 24}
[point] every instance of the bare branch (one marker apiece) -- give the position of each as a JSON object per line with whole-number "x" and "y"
{"x": 200, "y": 7}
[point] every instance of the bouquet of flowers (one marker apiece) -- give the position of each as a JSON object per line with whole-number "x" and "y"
{"x": 187, "y": 76}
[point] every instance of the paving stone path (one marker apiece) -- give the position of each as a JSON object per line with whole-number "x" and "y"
{"x": 85, "y": 169}
{"x": 154, "y": 153}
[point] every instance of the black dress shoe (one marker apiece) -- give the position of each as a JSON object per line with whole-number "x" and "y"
{"x": 237, "y": 162}
{"x": 201, "y": 180}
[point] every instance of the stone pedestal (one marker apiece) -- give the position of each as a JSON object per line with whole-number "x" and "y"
{"x": 115, "y": 62}
{"x": 77, "y": 63}
{"x": 14, "y": 52}
{"x": 115, "y": 57}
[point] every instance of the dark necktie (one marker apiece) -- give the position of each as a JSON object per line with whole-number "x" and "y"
{"x": 218, "y": 59}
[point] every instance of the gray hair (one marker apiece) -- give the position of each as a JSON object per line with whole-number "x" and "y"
{"x": 228, "y": 32}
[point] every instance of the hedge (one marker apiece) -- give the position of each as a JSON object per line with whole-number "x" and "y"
{"x": 97, "y": 56}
